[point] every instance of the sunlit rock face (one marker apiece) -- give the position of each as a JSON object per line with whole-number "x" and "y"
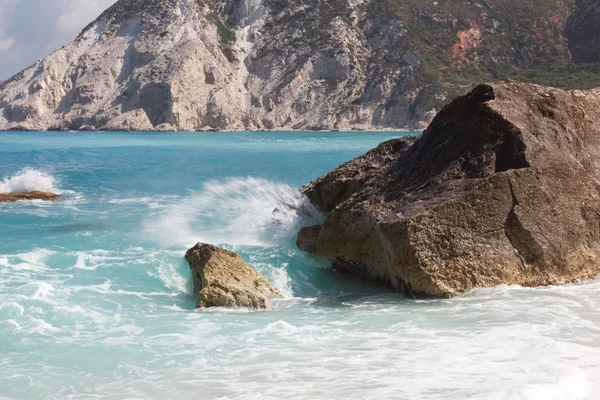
{"x": 222, "y": 279}
{"x": 252, "y": 64}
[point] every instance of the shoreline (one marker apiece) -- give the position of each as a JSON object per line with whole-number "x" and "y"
{"x": 403, "y": 130}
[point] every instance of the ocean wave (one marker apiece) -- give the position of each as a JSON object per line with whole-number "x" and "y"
{"x": 235, "y": 211}
{"x": 173, "y": 279}
{"x": 29, "y": 180}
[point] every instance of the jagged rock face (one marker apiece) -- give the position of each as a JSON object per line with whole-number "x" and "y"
{"x": 583, "y": 33}
{"x": 274, "y": 64}
{"x": 501, "y": 188}
{"x": 222, "y": 279}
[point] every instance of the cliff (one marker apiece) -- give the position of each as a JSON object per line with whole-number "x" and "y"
{"x": 283, "y": 64}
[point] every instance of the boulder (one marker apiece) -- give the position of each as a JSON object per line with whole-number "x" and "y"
{"x": 36, "y": 195}
{"x": 502, "y": 188}
{"x": 223, "y": 279}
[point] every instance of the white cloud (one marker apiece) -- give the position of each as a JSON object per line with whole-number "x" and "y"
{"x": 6, "y": 44}
{"x": 82, "y": 10}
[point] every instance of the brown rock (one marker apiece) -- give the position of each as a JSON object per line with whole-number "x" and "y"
{"x": 223, "y": 279}
{"x": 502, "y": 188}
{"x": 307, "y": 238}
{"x": 36, "y": 195}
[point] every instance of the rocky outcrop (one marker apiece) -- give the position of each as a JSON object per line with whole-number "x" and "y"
{"x": 502, "y": 188}
{"x": 271, "y": 64}
{"x": 223, "y": 279}
{"x": 36, "y": 195}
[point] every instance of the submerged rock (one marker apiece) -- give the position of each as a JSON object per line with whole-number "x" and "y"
{"x": 502, "y": 188}
{"x": 36, "y": 195}
{"x": 223, "y": 279}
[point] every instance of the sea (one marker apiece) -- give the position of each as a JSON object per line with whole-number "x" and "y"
{"x": 96, "y": 302}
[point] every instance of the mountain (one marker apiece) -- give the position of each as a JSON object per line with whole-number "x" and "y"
{"x": 297, "y": 64}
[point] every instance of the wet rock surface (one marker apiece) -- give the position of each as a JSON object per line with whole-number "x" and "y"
{"x": 502, "y": 188}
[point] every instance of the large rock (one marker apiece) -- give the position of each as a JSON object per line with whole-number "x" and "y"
{"x": 223, "y": 279}
{"x": 36, "y": 195}
{"x": 502, "y": 188}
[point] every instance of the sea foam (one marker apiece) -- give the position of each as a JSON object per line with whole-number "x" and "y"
{"x": 235, "y": 211}
{"x": 29, "y": 180}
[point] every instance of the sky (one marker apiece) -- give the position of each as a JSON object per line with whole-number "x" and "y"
{"x": 32, "y": 29}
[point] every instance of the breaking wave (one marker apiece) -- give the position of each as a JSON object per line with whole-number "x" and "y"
{"x": 235, "y": 211}
{"x": 29, "y": 180}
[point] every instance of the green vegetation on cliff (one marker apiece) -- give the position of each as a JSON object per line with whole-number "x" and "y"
{"x": 462, "y": 43}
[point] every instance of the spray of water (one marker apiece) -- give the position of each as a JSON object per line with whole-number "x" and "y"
{"x": 236, "y": 211}
{"x": 29, "y": 180}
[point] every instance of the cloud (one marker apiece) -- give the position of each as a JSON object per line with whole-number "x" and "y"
{"x": 6, "y": 44}
{"x": 81, "y": 10}
{"x": 31, "y": 29}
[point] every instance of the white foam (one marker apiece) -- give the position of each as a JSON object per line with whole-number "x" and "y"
{"x": 34, "y": 260}
{"x": 282, "y": 281}
{"x": 29, "y": 180}
{"x": 14, "y": 324}
{"x": 43, "y": 292}
{"x": 571, "y": 386}
{"x": 81, "y": 264}
{"x": 16, "y": 307}
{"x": 173, "y": 279}
{"x": 42, "y": 327}
{"x": 235, "y": 211}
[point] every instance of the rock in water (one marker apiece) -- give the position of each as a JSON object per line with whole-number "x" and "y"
{"x": 223, "y": 279}
{"x": 36, "y": 195}
{"x": 502, "y": 188}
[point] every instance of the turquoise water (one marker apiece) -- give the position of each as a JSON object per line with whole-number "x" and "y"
{"x": 95, "y": 296}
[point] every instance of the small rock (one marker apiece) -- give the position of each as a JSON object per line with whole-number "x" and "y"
{"x": 223, "y": 279}
{"x": 36, "y": 195}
